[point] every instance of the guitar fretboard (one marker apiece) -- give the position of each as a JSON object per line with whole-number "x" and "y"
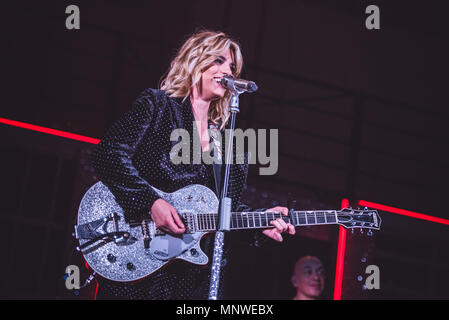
{"x": 256, "y": 220}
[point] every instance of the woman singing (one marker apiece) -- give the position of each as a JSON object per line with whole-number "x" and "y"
{"x": 135, "y": 153}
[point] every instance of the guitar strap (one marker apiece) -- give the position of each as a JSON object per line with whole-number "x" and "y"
{"x": 217, "y": 163}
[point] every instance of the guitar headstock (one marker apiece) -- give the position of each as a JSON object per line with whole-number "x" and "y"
{"x": 359, "y": 218}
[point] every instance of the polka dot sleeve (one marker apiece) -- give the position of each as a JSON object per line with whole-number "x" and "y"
{"x": 112, "y": 159}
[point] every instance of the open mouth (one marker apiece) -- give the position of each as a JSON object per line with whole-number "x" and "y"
{"x": 218, "y": 80}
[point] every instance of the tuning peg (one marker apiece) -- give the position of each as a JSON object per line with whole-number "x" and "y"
{"x": 366, "y": 208}
{"x": 369, "y": 233}
{"x": 352, "y": 231}
{"x": 361, "y": 231}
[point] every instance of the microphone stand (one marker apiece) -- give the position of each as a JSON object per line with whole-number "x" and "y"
{"x": 225, "y": 207}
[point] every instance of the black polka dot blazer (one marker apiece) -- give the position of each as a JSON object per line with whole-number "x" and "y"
{"x": 135, "y": 153}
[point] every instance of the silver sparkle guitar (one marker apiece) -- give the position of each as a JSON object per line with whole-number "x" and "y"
{"x": 125, "y": 252}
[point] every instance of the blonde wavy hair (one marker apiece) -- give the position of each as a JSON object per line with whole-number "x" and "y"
{"x": 198, "y": 52}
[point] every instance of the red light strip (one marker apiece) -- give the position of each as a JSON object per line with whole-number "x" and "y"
{"x": 403, "y": 212}
{"x": 340, "y": 256}
{"x": 342, "y": 236}
{"x": 96, "y": 291}
{"x": 59, "y": 133}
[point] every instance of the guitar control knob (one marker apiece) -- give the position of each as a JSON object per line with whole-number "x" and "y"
{"x": 130, "y": 266}
{"x": 194, "y": 252}
{"x": 111, "y": 258}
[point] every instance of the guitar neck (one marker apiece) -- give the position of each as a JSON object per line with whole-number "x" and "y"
{"x": 260, "y": 220}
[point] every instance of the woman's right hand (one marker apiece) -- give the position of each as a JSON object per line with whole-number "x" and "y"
{"x": 166, "y": 217}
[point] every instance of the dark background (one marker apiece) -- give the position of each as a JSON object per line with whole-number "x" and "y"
{"x": 362, "y": 114}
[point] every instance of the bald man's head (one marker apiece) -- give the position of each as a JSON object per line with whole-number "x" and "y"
{"x": 308, "y": 278}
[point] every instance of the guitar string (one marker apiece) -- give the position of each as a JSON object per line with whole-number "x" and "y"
{"x": 242, "y": 220}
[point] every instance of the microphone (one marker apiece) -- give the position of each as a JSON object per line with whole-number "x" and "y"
{"x": 234, "y": 84}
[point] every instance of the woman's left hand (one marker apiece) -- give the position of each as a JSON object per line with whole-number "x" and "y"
{"x": 280, "y": 226}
